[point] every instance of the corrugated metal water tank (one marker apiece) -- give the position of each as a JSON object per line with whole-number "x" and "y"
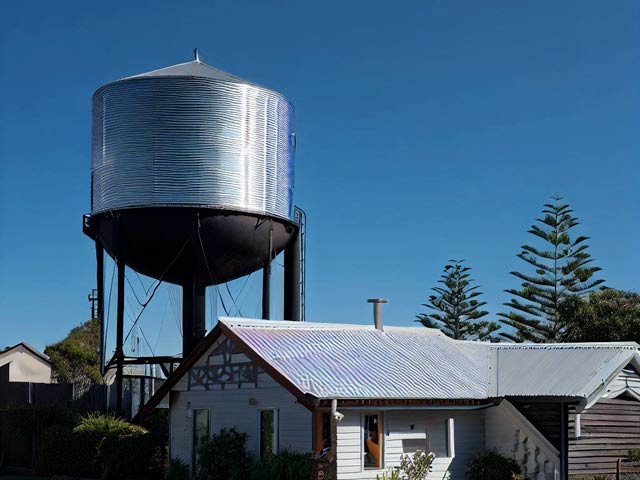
{"x": 193, "y": 136}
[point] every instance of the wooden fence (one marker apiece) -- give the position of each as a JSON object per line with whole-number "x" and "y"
{"x": 626, "y": 470}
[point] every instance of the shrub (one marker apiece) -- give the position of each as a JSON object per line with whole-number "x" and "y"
{"x": 63, "y": 453}
{"x": 390, "y": 475}
{"x": 283, "y": 466}
{"x": 416, "y": 466}
{"x": 177, "y": 470}
{"x": 120, "y": 449}
{"x": 32, "y": 423}
{"x": 223, "y": 456}
{"x": 157, "y": 423}
{"x": 634, "y": 455}
{"x": 590, "y": 477}
{"x": 492, "y": 465}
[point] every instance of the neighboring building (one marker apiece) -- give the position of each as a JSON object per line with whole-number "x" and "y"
{"x": 26, "y": 364}
{"x": 397, "y": 390}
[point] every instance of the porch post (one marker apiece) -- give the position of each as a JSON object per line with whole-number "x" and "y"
{"x": 564, "y": 440}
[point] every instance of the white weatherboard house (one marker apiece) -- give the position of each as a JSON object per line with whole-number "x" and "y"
{"x": 26, "y": 364}
{"x": 395, "y": 390}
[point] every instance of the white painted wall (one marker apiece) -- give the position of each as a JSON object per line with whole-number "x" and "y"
{"x": 509, "y": 432}
{"x": 627, "y": 381}
{"x": 238, "y": 407}
{"x": 468, "y": 439}
{"x": 26, "y": 366}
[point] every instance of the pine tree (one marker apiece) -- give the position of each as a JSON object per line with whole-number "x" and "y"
{"x": 457, "y": 306}
{"x": 562, "y": 268}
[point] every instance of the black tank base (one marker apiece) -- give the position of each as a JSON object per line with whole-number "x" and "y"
{"x": 166, "y": 242}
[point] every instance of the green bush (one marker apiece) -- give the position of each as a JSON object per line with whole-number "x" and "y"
{"x": 64, "y": 443}
{"x": 492, "y": 465}
{"x": 591, "y": 477}
{"x": 177, "y": 470}
{"x": 63, "y": 453}
{"x": 416, "y": 466}
{"x": 634, "y": 455}
{"x": 283, "y": 466}
{"x": 120, "y": 449}
{"x": 32, "y": 423}
{"x": 390, "y": 475}
{"x": 224, "y": 456}
{"x": 157, "y": 423}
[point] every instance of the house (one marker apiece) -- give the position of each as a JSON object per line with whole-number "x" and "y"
{"x": 26, "y": 364}
{"x": 367, "y": 395}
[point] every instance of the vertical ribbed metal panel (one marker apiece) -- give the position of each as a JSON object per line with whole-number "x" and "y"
{"x": 192, "y": 141}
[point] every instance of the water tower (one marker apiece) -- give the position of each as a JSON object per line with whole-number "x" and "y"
{"x": 192, "y": 178}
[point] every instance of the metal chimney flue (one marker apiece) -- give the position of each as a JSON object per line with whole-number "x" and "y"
{"x": 377, "y": 312}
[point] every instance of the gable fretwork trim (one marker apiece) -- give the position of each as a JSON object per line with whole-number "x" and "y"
{"x": 226, "y": 367}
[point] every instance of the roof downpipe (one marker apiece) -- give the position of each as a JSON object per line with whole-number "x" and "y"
{"x": 377, "y": 312}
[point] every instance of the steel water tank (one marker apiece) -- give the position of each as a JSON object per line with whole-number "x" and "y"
{"x": 192, "y": 173}
{"x": 191, "y": 135}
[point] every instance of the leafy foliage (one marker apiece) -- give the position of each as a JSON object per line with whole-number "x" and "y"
{"x": 157, "y": 423}
{"x": 76, "y": 359}
{"x": 492, "y": 465}
{"x": 284, "y": 465}
{"x": 604, "y": 316}
{"x": 64, "y": 453}
{"x": 97, "y": 445}
{"x": 223, "y": 456}
{"x": 562, "y": 268}
{"x": 177, "y": 470}
{"x": 120, "y": 449}
{"x": 457, "y": 306}
{"x": 34, "y": 423}
{"x": 634, "y": 455}
{"x": 390, "y": 475}
{"x": 416, "y": 466}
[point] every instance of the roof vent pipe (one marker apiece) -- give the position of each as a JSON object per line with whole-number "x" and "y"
{"x": 377, "y": 312}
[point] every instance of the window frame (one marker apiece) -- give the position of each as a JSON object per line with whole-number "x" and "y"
{"x": 194, "y": 415}
{"x": 363, "y": 431}
{"x": 276, "y": 430}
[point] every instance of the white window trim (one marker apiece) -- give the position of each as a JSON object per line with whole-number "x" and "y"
{"x": 382, "y": 418}
{"x": 276, "y": 428}
{"x": 191, "y": 415}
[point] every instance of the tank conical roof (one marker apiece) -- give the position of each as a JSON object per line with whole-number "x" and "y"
{"x": 195, "y": 68}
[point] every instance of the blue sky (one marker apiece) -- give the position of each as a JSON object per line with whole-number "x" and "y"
{"x": 427, "y": 130}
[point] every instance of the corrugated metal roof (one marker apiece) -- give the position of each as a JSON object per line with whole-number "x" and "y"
{"x": 572, "y": 370}
{"x": 358, "y": 361}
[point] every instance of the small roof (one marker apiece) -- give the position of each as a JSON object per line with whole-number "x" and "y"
{"x": 563, "y": 370}
{"x": 346, "y": 361}
{"x": 28, "y": 347}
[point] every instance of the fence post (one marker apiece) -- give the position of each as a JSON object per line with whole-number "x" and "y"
{"x": 618, "y": 469}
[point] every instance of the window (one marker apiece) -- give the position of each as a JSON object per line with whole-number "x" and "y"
{"x": 268, "y": 432}
{"x": 412, "y": 445}
{"x": 200, "y": 432}
{"x": 372, "y": 441}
